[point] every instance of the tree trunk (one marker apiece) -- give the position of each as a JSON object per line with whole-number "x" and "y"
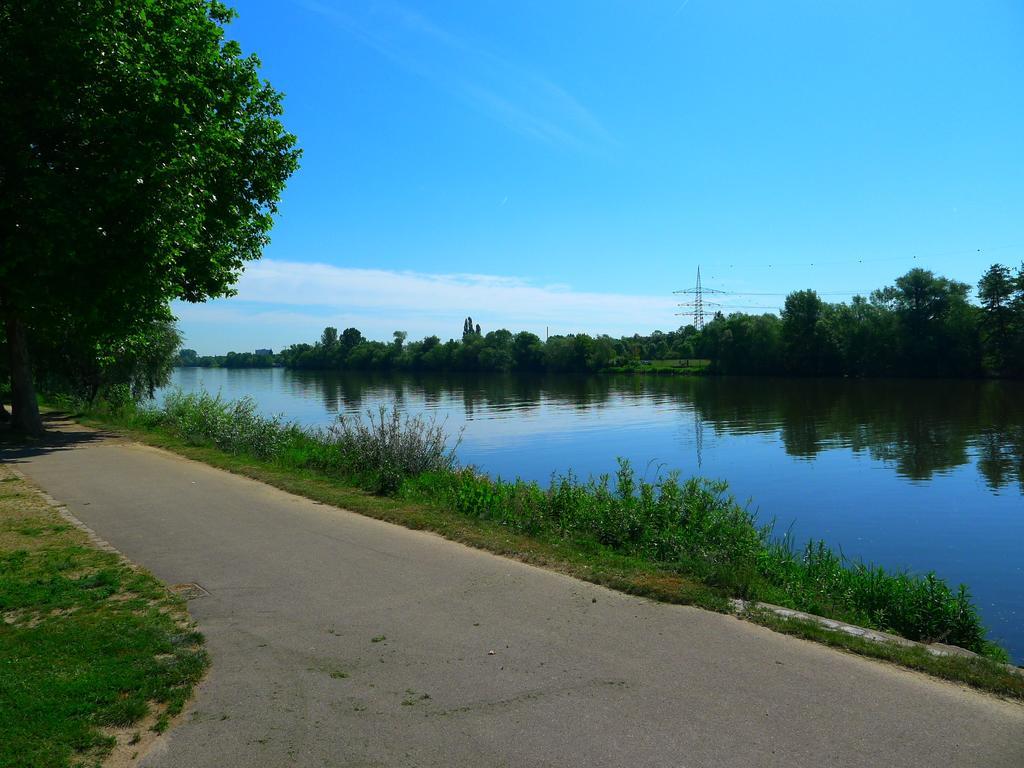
{"x": 25, "y": 409}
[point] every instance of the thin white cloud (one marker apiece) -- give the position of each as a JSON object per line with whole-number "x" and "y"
{"x": 293, "y": 301}
{"x": 524, "y": 100}
{"x": 682, "y": 7}
{"x": 511, "y": 298}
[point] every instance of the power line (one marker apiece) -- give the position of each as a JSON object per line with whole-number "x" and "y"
{"x": 695, "y": 308}
{"x": 820, "y": 293}
{"x": 917, "y": 258}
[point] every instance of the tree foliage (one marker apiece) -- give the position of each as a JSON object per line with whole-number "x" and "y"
{"x": 129, "y": 368}
{"x": 1002, "y": 298}
{"x": 499, "y": 350}
{"x": 921, "y": 326}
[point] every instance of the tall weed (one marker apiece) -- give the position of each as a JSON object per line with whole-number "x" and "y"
{"x": 387, "y": 447}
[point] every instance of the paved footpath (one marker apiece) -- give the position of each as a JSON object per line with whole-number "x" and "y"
{"x": 338, "y": 640}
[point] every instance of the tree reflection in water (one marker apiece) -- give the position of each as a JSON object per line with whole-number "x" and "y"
{"x": 921, "y": 428}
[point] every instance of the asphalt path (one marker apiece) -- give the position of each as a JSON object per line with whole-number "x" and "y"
{"x": 339, "y": 640}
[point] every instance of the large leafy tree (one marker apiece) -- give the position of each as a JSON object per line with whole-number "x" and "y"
{"x": 141, "y": 160}
{"x": 998, "y": 291}
{"x": 937, "y": 326}
{"x": 329, "y": 338}
{"x": 806, "y": 334}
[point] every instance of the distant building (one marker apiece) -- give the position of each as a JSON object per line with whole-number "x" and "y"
{"x": 264, "y": 351}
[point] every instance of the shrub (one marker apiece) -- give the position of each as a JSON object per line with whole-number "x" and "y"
{"x": 388, "y": 447}
{"x": 231, "y": 426}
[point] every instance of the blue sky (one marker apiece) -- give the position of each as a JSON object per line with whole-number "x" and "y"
{"x": 569, "y": 164}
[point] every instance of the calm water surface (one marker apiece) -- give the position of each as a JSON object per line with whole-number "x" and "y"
{"x": 921, "y": 475}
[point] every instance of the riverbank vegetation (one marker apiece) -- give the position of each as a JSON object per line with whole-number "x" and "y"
{"x": 690, "y": 528}
{"x": 923, "y": 325}
{"x": 672, "y": 540}
{"x": 96, "y": 654}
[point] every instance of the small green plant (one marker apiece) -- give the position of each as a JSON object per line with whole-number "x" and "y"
{"x": 412, "y": 697}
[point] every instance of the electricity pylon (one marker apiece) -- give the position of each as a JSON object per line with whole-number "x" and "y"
{"x": 695, "y": 308}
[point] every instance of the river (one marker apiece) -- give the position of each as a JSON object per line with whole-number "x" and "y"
{"x": 916, "y": 475}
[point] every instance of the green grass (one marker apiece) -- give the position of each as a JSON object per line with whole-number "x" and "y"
{"x": 88, "y": 644}
{"x": 675, "y": 367}
{"x": 684, "y": 542}
{"x": 980, "y": 672}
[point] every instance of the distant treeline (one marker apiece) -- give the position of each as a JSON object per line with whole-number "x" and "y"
{"x": 499, "y": 350}
{"x": 190, "y": 359}
{"x": 923, "y": 325}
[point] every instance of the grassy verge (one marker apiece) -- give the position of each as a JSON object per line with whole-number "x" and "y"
{"x": 978, "y": 672}
{"x": 692, "y": 367}
{"x": 677, "y": 542}
{"x": 94, "y": 654}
